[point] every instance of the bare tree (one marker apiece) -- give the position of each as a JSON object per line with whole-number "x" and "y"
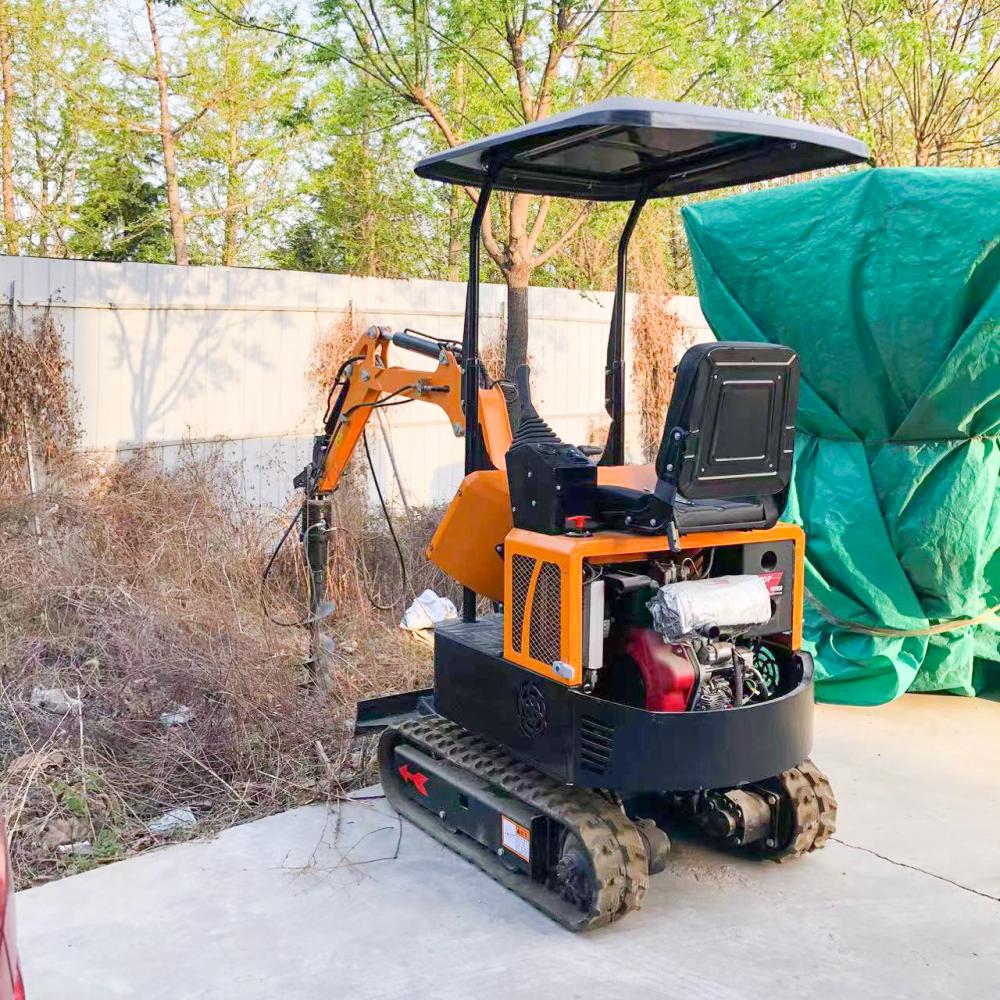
{"x": 168, "y": 139}
{"x": 515, "y": 59}
{"x": 241, "y": 149}
{"x": 7, "y": 130}
{"x": 920, "y": 79}
{"x": 130, "y": 117}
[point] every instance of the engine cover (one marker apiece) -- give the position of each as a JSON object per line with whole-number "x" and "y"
{"x": 667, "y": 674}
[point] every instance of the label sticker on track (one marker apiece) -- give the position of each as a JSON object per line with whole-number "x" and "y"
{"x": 515, "y": 838}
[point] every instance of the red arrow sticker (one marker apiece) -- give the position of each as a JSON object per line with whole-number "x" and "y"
{"x": 415, "y": 778}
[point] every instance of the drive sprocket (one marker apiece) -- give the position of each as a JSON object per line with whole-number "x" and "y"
{"x": 807, "y": 813}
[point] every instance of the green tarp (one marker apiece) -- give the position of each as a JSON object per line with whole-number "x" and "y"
{"x": 887, "y": 283}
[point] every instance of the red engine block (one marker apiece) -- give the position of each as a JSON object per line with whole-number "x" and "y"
{"x": 667, "y": 673}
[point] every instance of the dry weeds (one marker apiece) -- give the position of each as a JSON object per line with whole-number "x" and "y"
{"x": 137, "y": 590}
{"x": 143, "y": 595}
{"x": 658, "y": 340}
{"x": 332, "y": 349}
{"x": 37, "y": 403}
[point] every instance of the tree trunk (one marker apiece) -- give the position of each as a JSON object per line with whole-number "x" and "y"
{"x": 234, "y": 184}
{"x": 169, "y": 141}
{"x": 44, "y": 185}
{"x": 231, "y": 225}
{"x": 517, "y": 272}
{"x": 7, "y": 133}
{"x": 516, "y": 350}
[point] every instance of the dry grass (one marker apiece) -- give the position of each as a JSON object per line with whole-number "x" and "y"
{"x": 332, "y": 349}
{"x": 37, "y": 403}
{"x": 659, "y": 340}
{"x": 492, "y": 354}
{"x": 138, "y": 591}
{"x": 143, "y": 595}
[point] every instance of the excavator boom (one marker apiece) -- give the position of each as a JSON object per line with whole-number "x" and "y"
{"x": 367, "y": 381}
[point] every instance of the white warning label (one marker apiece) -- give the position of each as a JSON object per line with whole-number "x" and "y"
{"x": 515, "y": 838}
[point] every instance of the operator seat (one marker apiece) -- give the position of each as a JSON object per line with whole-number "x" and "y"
{"x": 725, "y": 458}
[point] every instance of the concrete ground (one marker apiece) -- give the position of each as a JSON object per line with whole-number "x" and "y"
{"x": 905, "y": 903}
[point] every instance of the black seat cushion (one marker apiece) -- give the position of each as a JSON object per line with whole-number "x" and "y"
{"x": 690, "y": 515}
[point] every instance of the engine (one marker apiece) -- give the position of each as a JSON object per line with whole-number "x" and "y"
{"x": 676, "y": 640}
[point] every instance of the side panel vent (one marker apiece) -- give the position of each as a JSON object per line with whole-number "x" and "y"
{"x": 596, "y": 742}
{"x": 545, "y": 630}
{"x": 521, "y": 569}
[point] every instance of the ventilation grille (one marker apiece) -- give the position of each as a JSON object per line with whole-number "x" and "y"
{"x": 521, "y": 569}
{"x": 596, "y": 741}
{"x": 545, "y": 630}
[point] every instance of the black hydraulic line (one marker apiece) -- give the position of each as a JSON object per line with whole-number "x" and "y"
{"x": 332, "y": 415}
{"x": 471, "y": 365}
{"x": 403, "y": 575}
{"x": 614, "y": 373}
{"x": 383, "y": 402}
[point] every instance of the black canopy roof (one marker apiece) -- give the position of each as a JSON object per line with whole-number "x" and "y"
{"x": 615, "y": 149}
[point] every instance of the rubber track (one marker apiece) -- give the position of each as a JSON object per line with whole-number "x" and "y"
{"x": 611, "y": 840}
{"x": 825, "y": 800}
{"x": 814, "y": 816}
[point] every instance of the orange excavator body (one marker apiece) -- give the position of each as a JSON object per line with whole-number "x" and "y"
{"x": 468, "y": 543}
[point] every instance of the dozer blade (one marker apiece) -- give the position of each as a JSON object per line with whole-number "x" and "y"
{"x": 391, "y": 709}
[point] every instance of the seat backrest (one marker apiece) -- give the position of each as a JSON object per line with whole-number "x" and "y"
{"x": 736, "y": 404}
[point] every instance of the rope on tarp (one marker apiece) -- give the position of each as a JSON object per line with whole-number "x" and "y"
{"x": 902, "y": 633}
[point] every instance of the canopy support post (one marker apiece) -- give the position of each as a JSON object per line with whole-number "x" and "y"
{"x": 471, "y": 366}
{"x": 614, "y": 372}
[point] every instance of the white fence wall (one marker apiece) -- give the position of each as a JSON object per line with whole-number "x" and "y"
{"x": 217, "y": 357}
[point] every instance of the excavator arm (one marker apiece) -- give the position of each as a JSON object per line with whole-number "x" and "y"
{"x": 364, "y": 382}
{"x": 367, "y": 381}
{"x": 468, "y": 543}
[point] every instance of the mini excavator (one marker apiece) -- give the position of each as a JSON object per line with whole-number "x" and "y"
{"x": 642, "y": 665}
